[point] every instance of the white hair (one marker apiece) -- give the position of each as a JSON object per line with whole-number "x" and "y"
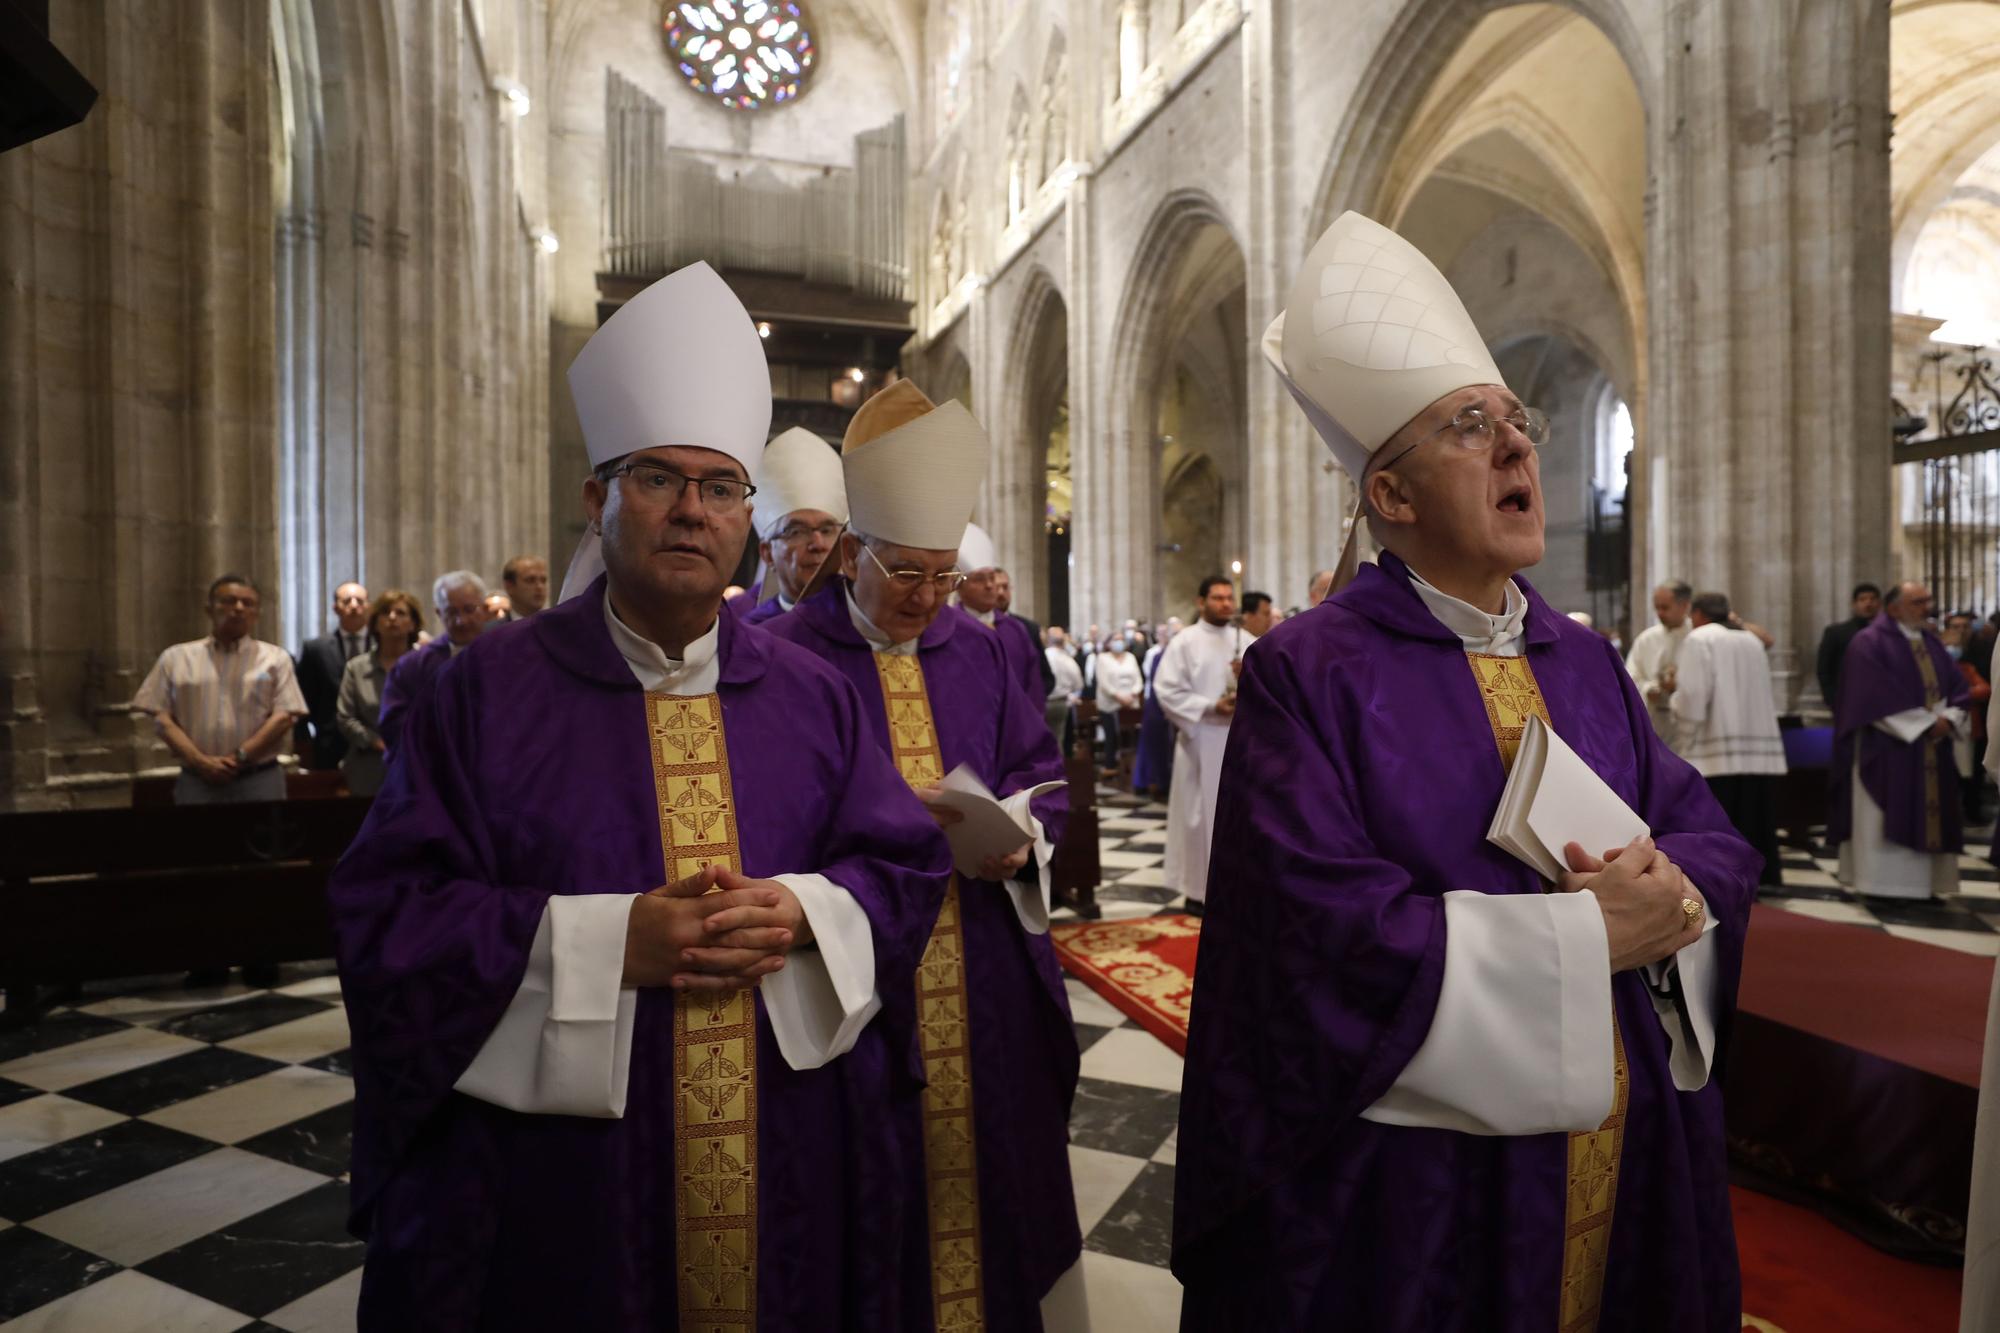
{"x": 449, "y": 583}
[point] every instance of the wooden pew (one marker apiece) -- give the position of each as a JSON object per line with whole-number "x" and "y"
{"x": 88, "y": 894}
{"x": 1074, "y": 868}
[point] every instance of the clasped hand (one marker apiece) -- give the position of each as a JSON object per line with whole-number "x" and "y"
{"x": 687, "y": 937}
{"x": 1639, "y": 889}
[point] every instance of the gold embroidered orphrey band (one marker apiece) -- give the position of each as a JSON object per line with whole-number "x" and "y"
{"x": 715, "y": 1037}
{"x": 1507, "y": 688}
{"x": 1933, "y": 696}
{"x": 943, "y": 1029}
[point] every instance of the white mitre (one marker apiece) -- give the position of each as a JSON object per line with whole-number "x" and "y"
{"x": 913, "y": 468}
{"x": 678, "y": 364}
{"x": 1371, "y": 335}
{"x": 801, "y": 471}
{"x": 975, "y": 550}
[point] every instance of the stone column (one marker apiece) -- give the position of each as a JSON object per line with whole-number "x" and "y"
{"x": 1769, "y": 421}
{"x": 135, "y": 373}
{"x": 1294, "y": 507}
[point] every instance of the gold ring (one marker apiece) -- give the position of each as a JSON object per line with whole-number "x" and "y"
{"x": 1691, "y": 909}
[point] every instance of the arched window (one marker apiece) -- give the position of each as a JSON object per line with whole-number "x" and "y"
{"x": 951, "y": 56}
{"x": 1614, "y": 446}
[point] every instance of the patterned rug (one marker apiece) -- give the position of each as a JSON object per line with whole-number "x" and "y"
{"x": 1144, "y": 967}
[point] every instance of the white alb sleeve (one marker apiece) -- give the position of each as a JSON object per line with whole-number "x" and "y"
{"x": 1683, "y": 991}
{"x": 1521, "y": 1040}
{"x": 824, "y": 996}
{"x": 564, "y": 1044}
{"x": 1031, "y": 901}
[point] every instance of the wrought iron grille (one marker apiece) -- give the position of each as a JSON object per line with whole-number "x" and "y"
{"x": 1951, "y": 479}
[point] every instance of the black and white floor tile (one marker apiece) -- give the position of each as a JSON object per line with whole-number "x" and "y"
{"x": 176, "y": 1160}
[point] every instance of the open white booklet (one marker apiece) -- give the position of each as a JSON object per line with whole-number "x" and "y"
{"x": 989, "y": 828}
{"x": 1910, "y": 725}
{"x": 1552, "y": 799}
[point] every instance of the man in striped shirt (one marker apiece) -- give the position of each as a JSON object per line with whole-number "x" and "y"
{"x": 225, "y": 703}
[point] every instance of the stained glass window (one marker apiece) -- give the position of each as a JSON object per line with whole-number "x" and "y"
{"x": 744, "y": 53}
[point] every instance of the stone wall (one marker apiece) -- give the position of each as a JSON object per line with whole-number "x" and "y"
{"x": 1734, "y": 249}
{"x": 293, "y": 327}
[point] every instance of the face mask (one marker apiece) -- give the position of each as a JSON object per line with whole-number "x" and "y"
{"x": 1118, "y": 645}
{"x": 1955, "y": 650}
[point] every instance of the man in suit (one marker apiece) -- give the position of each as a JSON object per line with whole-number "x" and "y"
{"x": 317, "y": 740}
{"x": 1866, "y": 603}
{"x": 1003, "y": 601}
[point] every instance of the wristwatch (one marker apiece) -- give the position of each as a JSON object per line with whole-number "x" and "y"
{"x": 241, "y": 757}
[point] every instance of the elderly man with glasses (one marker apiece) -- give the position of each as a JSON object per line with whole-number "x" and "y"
{"x": 800, "y": 512}
{"x": 460, "y": 600}
{"x": 1422, "y": 1079}
{"x": 994, "y": 1034}
{"x": 1895, "y": 811}
{"x": 631, "y": 969}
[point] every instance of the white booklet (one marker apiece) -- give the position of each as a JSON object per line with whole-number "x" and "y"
{"x": 987, "y": 829}
{"x": 1553, "y": 799}
{"x": 1910, "y": 725}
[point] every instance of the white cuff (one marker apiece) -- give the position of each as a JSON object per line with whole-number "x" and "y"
{"x": 1031, "y": 901}
{"x": 1521, "y": 1041}
{"x": 564, "y": 1044}
{"x": 1690, "y": 1023}
{"x": 823, "y": 997}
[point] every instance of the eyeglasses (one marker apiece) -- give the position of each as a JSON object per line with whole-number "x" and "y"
{"x": 1479, "y": 429}
{"x": 660, "y": 486}
{"x": 906, "y": 581}
{"x": 795, "y": 533}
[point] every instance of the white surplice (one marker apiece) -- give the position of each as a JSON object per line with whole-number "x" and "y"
{"x": 1869, "y": 862}
{"x": 1728, "y": 723}
{"x": 1655, "y": 651}
{"x": 1520, "y": 1042}
{"x": 564, "y": 1044}
{"x": 1193, "y": 676}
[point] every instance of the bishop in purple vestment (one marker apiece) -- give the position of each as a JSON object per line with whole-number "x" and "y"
{"x": 960, "y": 707}
{"x": 460, "y": 598}
{"x": 1898, "y": 669}
{"x": 630, "y": 972}
{"x": 1424, "y": 1093}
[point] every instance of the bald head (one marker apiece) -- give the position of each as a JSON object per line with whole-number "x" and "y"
{"x": 1908, "y": 603}
{"x": 1321, "y": 585}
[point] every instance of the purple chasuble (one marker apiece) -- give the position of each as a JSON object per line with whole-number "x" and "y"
{"x": 743, "y": 604}
{"x": 1024, "y": 655}
{"x": 1359, "y": 780}
{"x": 1879, "y": 676}
{"x": 1154, "y": 766}
{"x": 763, "y": 611}
{"x": 409, "y": 686}
{"x": 480, "y": 1217}
{"x": 1024, "y": 1053}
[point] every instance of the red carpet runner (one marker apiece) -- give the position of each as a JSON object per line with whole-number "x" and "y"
{"x": 1801, "y": 1274}
{"x": 1145, "y": 967}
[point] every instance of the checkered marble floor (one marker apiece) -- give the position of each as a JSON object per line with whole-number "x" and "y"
{"x": 177, "y": 1159}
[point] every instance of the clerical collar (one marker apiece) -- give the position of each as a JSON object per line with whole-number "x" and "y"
{"x": 1480, "y": 631}
{"x": 1910, "y": 632}
{"x": 877, "y": 638}
{"x": 695, "y": 673}
{"x": 985, "y": 618}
